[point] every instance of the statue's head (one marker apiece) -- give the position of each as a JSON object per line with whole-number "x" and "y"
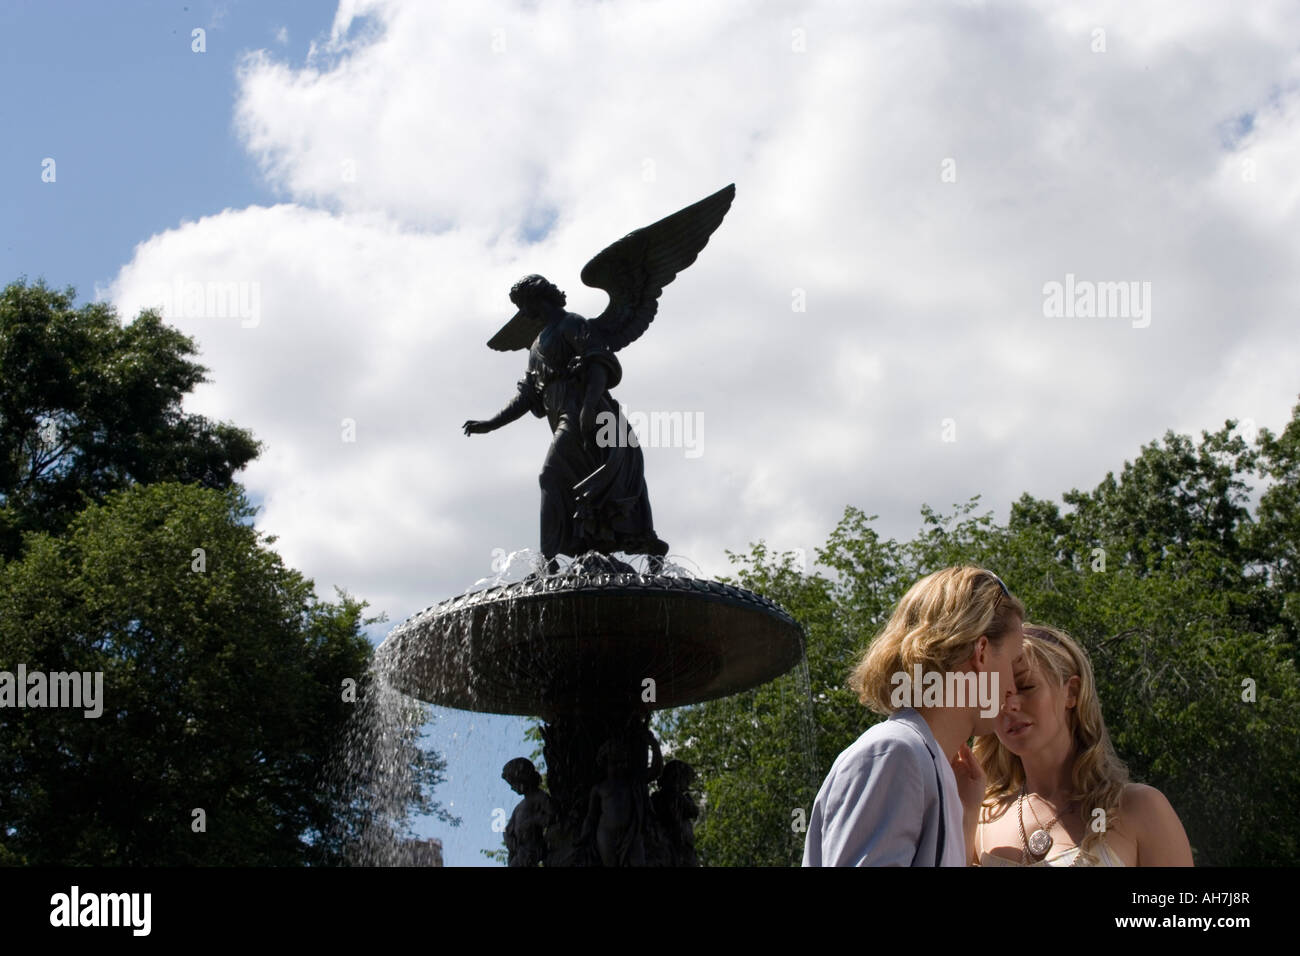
{"x": 532, "y": 292}
{"x": 677, "y": 776}
{"x": 611, "y": 756}
{"x": 521, "y": 775}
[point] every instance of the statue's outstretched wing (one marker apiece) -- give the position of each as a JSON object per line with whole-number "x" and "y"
{"x": 518, "y": 333}
{"x": 635, "y": 269}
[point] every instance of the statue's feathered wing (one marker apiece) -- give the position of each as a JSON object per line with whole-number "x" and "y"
{"x": 635, "y": 269}
{"x": 518, "y": 333}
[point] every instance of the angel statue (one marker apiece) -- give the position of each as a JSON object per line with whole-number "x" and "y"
{"x": 594, "y": 495}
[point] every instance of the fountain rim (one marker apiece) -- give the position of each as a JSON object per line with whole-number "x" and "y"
{"x": 732, "y": 670}
{"x": 602, "y": 584}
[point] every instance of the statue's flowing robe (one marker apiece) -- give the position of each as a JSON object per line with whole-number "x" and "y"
{"x": 594, "y": 495}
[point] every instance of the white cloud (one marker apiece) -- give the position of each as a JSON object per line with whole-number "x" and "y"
{"x": 422, "y": 145}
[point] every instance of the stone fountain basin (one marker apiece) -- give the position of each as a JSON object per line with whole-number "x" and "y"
{"x": 571, "y": 644}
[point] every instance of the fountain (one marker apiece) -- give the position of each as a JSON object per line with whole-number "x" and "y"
{"x": 595, "y": 646}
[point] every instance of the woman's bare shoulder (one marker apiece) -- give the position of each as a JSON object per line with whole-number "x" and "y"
{"x": 1148, "y": 816}
{"x": 1141, "y": 799}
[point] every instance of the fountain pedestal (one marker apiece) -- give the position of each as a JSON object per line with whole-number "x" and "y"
{"x": 593, "y": 655}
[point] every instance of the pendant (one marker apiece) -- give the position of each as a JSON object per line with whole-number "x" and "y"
{"x": 1040, "y": 841}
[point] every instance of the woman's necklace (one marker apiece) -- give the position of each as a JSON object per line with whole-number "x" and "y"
{"x": 1039, "y": 842}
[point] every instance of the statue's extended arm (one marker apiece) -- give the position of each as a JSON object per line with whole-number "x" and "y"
{"x": 656, "y": 756}
{"x": 515, "y": 410}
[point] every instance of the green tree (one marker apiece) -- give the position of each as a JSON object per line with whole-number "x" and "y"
{"x": 126, "y": 549}
{"x": 754, "y": 752}
{"x": 1275, "y": 538}
{"x": 89, "y": 405}
{"x": 222, "y": 677}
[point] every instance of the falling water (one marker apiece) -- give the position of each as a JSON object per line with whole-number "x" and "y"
{"x": 374, "y": 770}
{"x": 807, "y": 725}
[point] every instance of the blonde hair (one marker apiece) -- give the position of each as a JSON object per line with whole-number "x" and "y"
{"x": 1098, "y": 776}
{"x": 936, "y": 625}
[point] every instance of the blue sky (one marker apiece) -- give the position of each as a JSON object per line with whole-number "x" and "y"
{"x": 869, "y": 327}
{"x": 138, "y": 124}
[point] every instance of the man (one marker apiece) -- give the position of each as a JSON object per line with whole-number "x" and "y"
{"x": 891, "y": 797}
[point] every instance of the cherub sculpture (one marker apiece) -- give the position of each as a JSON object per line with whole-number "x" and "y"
{"x": 526, "y": 831}
{"x": 594, "y": 495}
{"x": 676, "y": 812}
{"x": 617, "y": 809}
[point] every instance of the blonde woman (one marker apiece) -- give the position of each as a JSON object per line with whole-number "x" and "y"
{"x": 1055, "y": 792}
{"x": 940, "y": 669}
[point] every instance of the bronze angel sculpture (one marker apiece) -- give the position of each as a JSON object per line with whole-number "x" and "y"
{"x": 594, "y": 495}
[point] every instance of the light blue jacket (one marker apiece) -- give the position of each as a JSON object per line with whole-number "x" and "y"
{"x": 880, "y": 803}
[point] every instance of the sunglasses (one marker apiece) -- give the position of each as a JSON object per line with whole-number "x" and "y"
{"x": 1005, "y": 592}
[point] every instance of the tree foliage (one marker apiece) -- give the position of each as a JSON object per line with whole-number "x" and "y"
{"x": 89, "y": 405}
{"x": 221, "y": 689}
{"x": 126, "y": 550}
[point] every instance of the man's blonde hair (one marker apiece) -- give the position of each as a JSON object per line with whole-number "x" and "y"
{"x": 936, "y": 625}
